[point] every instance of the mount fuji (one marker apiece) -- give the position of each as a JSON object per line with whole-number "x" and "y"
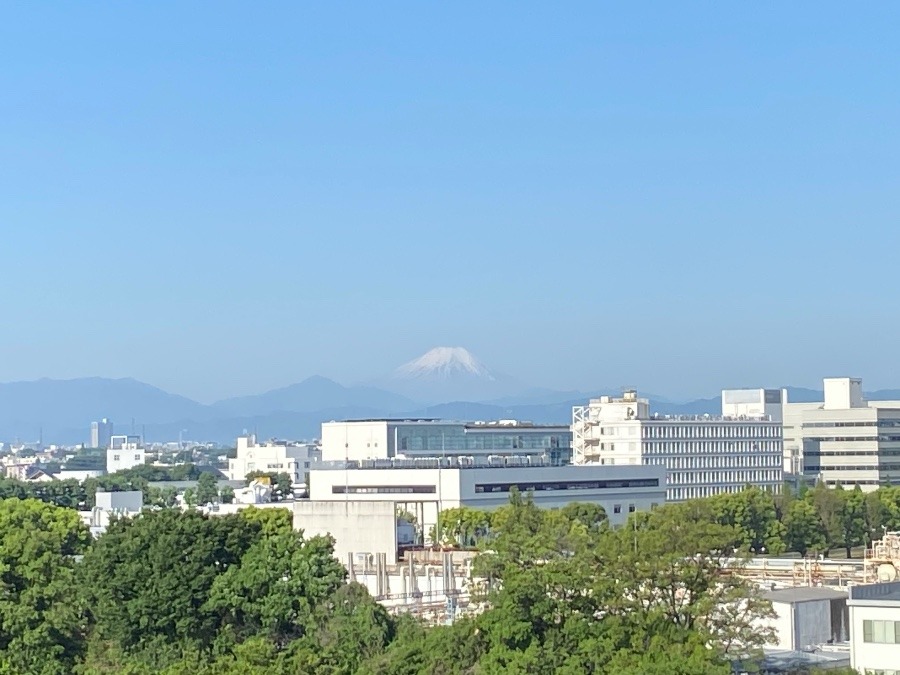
{"x": 450, "y": 374}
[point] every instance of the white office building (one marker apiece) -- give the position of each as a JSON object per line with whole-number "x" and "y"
{"x": 124, "y": 452}
{"x": 294, "y": 459}
{"x": 703, "y": 455}
{"x": 101, "y": 433}
{"x": 341, "y": 494}
{"x": 844, "y": 440}
{"x": 875, "y": 628}
{"x": 410, "y": 438}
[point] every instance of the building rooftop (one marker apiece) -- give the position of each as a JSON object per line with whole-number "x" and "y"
{"x": 453, "y": 462}
{"x": 804, "y": 594}
{"x": 476, "y": 424}
{"x": 659, "y": 417}
{"x": 876, "y": 593}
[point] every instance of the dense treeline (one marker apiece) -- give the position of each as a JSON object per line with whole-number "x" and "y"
{"x": 75, "y": 494}
{"x": 813, "y": 521}
{"x": 178, "y": 592}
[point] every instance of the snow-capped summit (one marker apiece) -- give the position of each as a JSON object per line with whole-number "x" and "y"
{"x": 444, "y": 362}
{"x": 446, "y": 374}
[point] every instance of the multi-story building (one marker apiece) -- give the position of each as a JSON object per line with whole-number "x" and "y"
{"x": 875, "y": 628}
{"x": 388, "y": 438}
{"x": 101, "y": 433}
{"x": 294, "y": 459}
{"x": 424, "y": 487}
{"x": 844, "y": 440}
{"x": 703, "y": 455}
{"x": 125, "y": 452}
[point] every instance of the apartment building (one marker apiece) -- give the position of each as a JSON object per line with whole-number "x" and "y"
{"x": 294, "y": 459}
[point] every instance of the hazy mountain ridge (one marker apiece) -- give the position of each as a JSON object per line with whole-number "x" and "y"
{"x": 64, "y": 409}
{"x": 313, "y": 393}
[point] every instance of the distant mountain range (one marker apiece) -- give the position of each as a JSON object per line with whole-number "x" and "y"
{"x": 447, "y": 382}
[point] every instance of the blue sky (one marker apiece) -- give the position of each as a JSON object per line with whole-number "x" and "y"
{"x": 220, "y": 198}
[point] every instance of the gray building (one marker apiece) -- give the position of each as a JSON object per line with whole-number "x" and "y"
{"x": 101, "y": 433}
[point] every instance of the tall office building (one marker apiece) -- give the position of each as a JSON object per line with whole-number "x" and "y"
{"x": 844, "y": 440}
{"x": 704, "y": 455}
{"x": 101, "y": 432}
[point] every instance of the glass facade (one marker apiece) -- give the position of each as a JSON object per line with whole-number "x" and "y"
{"x": 459, "y": 439}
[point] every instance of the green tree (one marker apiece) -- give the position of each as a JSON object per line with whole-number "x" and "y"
{"x": 147, "y": 580}
{"x": 853, "y": 518}
{"x": 461, "y": 526}
{"x": 207, "y": 490}
{"x": 592, "y": 516}
{"x": 752, "y": 512}
{"x": 40, "y": 628}
{"x": 827, "y": 503}
{"x": 351, "y": 628}
{"x": 226, "y": 494}
{"x": 804, "y": 529}
{"x": 160, "y": 497}
{"x": 270, "y": 520}
{"x": 273, "y": 593}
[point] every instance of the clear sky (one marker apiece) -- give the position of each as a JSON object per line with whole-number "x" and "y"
{"x": 220, "y": 198}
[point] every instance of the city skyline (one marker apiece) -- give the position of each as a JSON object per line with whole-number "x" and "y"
{"x": 678, "y": 199}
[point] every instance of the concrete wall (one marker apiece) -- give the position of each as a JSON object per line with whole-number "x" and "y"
{"x": 842, "y": 393}
{"x": 812, "y": 623}
{"x": 867, "y": 656}
{"x": 783, "y": 624}
{"x": 355, "y": 440}
{"x": 130, "y": 500}
{"x": 357, "y": 526}
{"x": 80, "y": 476}
{"x": 123, "y": 458}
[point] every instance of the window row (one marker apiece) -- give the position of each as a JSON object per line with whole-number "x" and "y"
{"x": 711, "y": 431}
{"x": 697, "y": 447}
{"x": 705, "y": 477}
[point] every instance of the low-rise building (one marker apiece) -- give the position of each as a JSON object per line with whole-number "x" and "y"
{"x": 294, "y": 459}
{"x": 807, "y": 617}
{"x": 875, "y": 628}
{"x": 124, "y": 503}
{"x": 703, "y": 455}
{"x": 424, "y": 487}
{"x": 125, "y": 452}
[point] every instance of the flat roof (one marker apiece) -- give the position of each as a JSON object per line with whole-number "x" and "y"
{"x": 472, "y": 424}
{"x": 804, "y": 594}
{"x": 875, "y": 593}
